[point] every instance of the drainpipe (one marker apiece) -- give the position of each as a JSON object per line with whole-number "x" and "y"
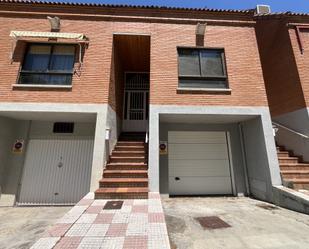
{"x": 244, "y": 159}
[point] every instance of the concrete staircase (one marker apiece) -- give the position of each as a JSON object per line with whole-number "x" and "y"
{"x": 126, "y": 174}
{"x": 294, "y": 172}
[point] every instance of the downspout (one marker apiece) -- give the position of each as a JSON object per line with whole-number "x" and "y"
{"x": 244, "y": 159}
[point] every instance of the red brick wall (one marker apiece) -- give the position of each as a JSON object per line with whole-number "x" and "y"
{"x": 281, "y": 76}
{"x": 93, "y": 86}
{"x": 243, "y": 65}
{"x": 302, "y": 60}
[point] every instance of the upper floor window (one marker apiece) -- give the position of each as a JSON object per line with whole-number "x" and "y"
{"x": 202, "y": 68}
{"x": 48, "y": 64}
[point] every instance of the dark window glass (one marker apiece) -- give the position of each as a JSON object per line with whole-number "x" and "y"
{"x": 211, "y": 63}
{"x": 189, "y": 62}
{"x": 202, "y": 68}
{"x": 61, "y": 127}
{"x": 48, "y": 65}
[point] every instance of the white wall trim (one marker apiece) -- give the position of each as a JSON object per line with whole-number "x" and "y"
{"x": 51, "y": 107}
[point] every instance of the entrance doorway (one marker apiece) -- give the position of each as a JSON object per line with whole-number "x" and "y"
{"x": 136, "y": 102}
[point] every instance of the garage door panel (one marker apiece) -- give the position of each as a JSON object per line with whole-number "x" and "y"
{"x": 56, "y": 171}
{"x": 199, "y": 168}
{"x": 213, "y": 185}
{"x": 198, "y": 163}
{"x": 196, "y": 137}
{"x": 198, "y": 151}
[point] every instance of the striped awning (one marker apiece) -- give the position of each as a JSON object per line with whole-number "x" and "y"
{"x": 20, "y": 34}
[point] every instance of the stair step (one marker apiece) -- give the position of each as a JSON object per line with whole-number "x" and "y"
{"x": 295, "y": 166}
{"x": 121, "y": 193}
{"x": 126, "y": 166}
{"x": 295, "y": 174}
{"x": 127, "y": 159}
{"x": 283, "y": 154}
{"x": 123, "y": 182}
{"x": 125, "y": 173}
{"x": 288, "y": 159}
{"x": 298, "y": 180}
{"x": 128, "y": 153}
{"x": 130, "y": 143}
{"x": 129, "y": 148}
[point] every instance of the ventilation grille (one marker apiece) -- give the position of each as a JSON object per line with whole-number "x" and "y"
{"x": 61, "y": 127}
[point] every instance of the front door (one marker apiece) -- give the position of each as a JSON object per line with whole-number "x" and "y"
{"x": 136, "y": 98}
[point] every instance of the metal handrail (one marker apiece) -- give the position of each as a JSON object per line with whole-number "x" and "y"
{"x": 290, "y": 130}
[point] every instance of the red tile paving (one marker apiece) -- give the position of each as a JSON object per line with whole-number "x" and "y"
{"x": 94, "y": 209}
{"x": 139, "y": 209}
{"x": 84, "y": 202}
{"x": 117, "y": 230}
{"x": 68, "y": 243}
{"x": 104, "y": 219}
{"x": 135, "y": 242}
{"x": 156, "y": 218}
{"x": 58, "y": 230}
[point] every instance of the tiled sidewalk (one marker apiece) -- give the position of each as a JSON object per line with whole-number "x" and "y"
{"x": 139, "y": 224}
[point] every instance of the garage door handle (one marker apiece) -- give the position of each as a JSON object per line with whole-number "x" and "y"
{"x": 177, "y": 178}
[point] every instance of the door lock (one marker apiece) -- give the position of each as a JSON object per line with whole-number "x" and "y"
{"x": 177, "y": 178}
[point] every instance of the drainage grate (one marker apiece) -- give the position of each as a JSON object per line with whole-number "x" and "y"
{"x": 113, "y": 205}
{"x": 267, "y": 207}
{"x": 212, "y": 222}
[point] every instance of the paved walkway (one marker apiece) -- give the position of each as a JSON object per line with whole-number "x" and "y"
{"x": 252, "y": 224}
{"x": 138, "y": 224}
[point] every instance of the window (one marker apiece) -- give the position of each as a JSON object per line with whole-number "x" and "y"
{"x": 60, "y": 127}
{"x": 47, "y": 64}
{"x": 202, "y": 68}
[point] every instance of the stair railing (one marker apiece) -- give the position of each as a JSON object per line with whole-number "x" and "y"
{"x": 290, "y": 130}
{"x": 292, "y": 140}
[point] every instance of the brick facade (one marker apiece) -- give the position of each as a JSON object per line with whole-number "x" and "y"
{"x": 281, "y": 76}
{"x": 96, "y": 82}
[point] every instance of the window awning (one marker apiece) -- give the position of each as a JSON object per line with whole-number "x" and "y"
{"x": 20, "y": 34}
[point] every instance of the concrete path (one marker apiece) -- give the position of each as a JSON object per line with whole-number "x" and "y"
{"x": 138, "y": 224}
{"x": 251, "y": 225}
{"x": 20, "y": 227}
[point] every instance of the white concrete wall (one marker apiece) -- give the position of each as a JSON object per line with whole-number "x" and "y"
{"x": 41, "y": 129}
{"x": 11, "y": 163}
{"x": 296, "y": 142}
{"x": 113, "y": 124}
{"x": 46, "y": 111}
{"x": 270, "y": 173}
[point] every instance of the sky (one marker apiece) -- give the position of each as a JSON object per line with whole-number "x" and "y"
{"x": 301, "y": 6}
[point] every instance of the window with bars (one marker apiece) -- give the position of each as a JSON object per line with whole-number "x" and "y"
{"x": 202, "y": 68}
{"x": 48, "y": 64}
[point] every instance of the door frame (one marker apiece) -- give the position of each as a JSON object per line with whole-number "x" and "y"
{"x": 124, "y": 98}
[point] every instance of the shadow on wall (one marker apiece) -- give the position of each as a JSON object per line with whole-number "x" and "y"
{"x": 11, "y": 163}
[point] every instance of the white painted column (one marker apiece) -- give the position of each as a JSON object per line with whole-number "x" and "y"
{"x": 153, "y": 167}
{"x": 98, "y": 150}
{"x": 271, "y": 149}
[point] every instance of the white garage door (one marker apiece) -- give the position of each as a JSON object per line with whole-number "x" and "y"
{"x": 56, "y": 171}
{"x": 198, "y": 163}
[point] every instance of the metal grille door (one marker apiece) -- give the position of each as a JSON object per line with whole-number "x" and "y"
{"x": 136, "y": 102}
{"x": 56, "y": 171}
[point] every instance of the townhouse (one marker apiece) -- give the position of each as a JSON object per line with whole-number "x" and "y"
{"x": 160, "y": 99}
{"x": 283, "y": 45}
